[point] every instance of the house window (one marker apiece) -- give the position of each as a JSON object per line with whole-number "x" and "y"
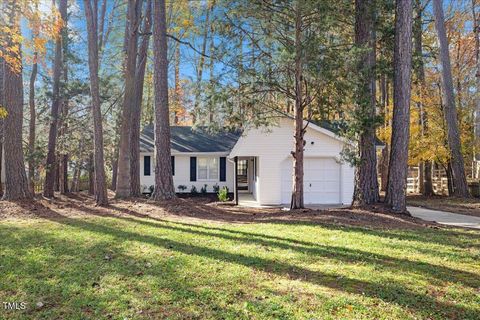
{"x": 207, "y": 168}
{"x": 147, "y": 165}
{"x": 242, "y": 167}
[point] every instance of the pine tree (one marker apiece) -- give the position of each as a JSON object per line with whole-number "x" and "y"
{"x": 16, "y": 183}
{"x": 398, "y": 166}
{"x": 460, "y": 187}
{"x": 164, "y": 188}
{"x": 100, "y": 188}
{"x": 366, "y": 182}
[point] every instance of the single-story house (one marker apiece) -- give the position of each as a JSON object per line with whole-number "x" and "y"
{"x": 256, "y": 162}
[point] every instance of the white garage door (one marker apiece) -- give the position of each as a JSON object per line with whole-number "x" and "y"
{"x": 321, "y": 181}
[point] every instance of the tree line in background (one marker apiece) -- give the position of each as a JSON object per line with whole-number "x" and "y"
{"x": 406, "y": 71}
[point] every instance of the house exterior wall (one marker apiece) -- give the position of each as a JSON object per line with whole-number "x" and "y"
{"x": 273, "y": 146}
{"x": 182, "y": 173}
{"x": 256, "y": 184}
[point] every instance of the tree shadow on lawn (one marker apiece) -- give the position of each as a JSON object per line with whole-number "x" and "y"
{"x": 377, "y": 224}
{"x": 372, "y": 223}
{"x": 438, "y": 272}
{"x": 391, "y": 292}
{"x": 77, "y": 287}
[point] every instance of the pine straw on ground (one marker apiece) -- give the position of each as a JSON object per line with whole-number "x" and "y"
{"x": 81, "y": 205}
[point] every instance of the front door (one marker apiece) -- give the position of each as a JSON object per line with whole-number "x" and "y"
{"x": 242, "y": 175}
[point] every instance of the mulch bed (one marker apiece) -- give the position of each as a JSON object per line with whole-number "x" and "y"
{"x": 81, "y": 205}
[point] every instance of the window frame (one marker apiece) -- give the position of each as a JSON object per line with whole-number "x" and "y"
{"x": 217, "y": 178}
{"x": 242, "y": 166}
{"x": 149, "y": 166}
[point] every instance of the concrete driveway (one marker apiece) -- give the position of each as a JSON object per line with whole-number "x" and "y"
{"x": 447, "y": 218}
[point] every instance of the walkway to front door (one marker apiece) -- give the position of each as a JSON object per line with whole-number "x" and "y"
{"x": 247, "y": 200}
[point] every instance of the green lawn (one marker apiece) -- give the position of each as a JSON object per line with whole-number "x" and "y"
{"x": 139, "y": 268}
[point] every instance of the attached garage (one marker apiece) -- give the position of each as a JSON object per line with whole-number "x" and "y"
{"x": 327, "y": 179}
{"x": 322, "y": 181}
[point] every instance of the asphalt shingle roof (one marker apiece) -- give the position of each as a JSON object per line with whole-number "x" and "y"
{"x": 186, "y": 139}
{"x": 337, "y": 127}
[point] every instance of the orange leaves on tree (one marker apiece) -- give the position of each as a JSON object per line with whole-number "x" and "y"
{"x": 44, "y": 26}
{"x": 177, "y": 104}
{"x": 10, "y": 40}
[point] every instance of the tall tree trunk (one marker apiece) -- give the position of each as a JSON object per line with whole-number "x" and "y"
{"x": 428, "y": 185}
{"x": 16, "y": 182}
{"x": 76, "y": 169}
{"x": 63, "y": 158}
{"x": 420, "y": 81}
{"x": 56, "y": 185}
{"x": 476, "y": 29}
{"x": 425, "y": 168}
{"x": 176, "y": 94}
{"x": 386, "y": 150}
{"x": 76, "y": 176}
{"x": 2, "y": 102}
{"x": 211, "y": 64}
{"x": 91, "y": 175}
{"x": 297, "y": 189}
{"x": 101, "y": 26}
{"x": 449, "y": 173}
{"x": 115, "y": 153}
{"x": 457, "y": 162}
{"x": 124, "y": 187}
{"x": 33, "y": 114}
{"x": 137, "y": 110}
{"x": 201, "y": 61}
{"x": 114, "y": 169}
{"x": 164, "y": 188}
{"x": 1, "y": 153}
{"x": 63, "y": 180}
{"x": 32, "y": 124}
{"x": 92, "y": 20}
{"x": 402, "y": 59}
{"x": 366, "y": 182}
{"x": 50, "y": 167}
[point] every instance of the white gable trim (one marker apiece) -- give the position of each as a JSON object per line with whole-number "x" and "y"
{"x": 311, "y": 125}
{"x": 325, "y": 131}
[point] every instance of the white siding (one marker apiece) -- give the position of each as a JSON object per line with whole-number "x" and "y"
{"x": 182, "y": 173}
{"x": 321, "y": 183}
{"x": 256, "y": 184}
{"x": 348, "y": 183}
{"x": 273, "y": 147}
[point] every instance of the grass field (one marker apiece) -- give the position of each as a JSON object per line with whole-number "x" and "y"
{"x": 133, "y": 267}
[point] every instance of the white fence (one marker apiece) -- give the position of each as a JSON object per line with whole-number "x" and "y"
{"x": 439, "y": 181}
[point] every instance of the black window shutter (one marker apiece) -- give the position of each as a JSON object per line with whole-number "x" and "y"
{"x": 173, "y": 165}
{"x": 223, "y": 169}
{"x": 193, "y": 168}
{"x": 146, "y": 165}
